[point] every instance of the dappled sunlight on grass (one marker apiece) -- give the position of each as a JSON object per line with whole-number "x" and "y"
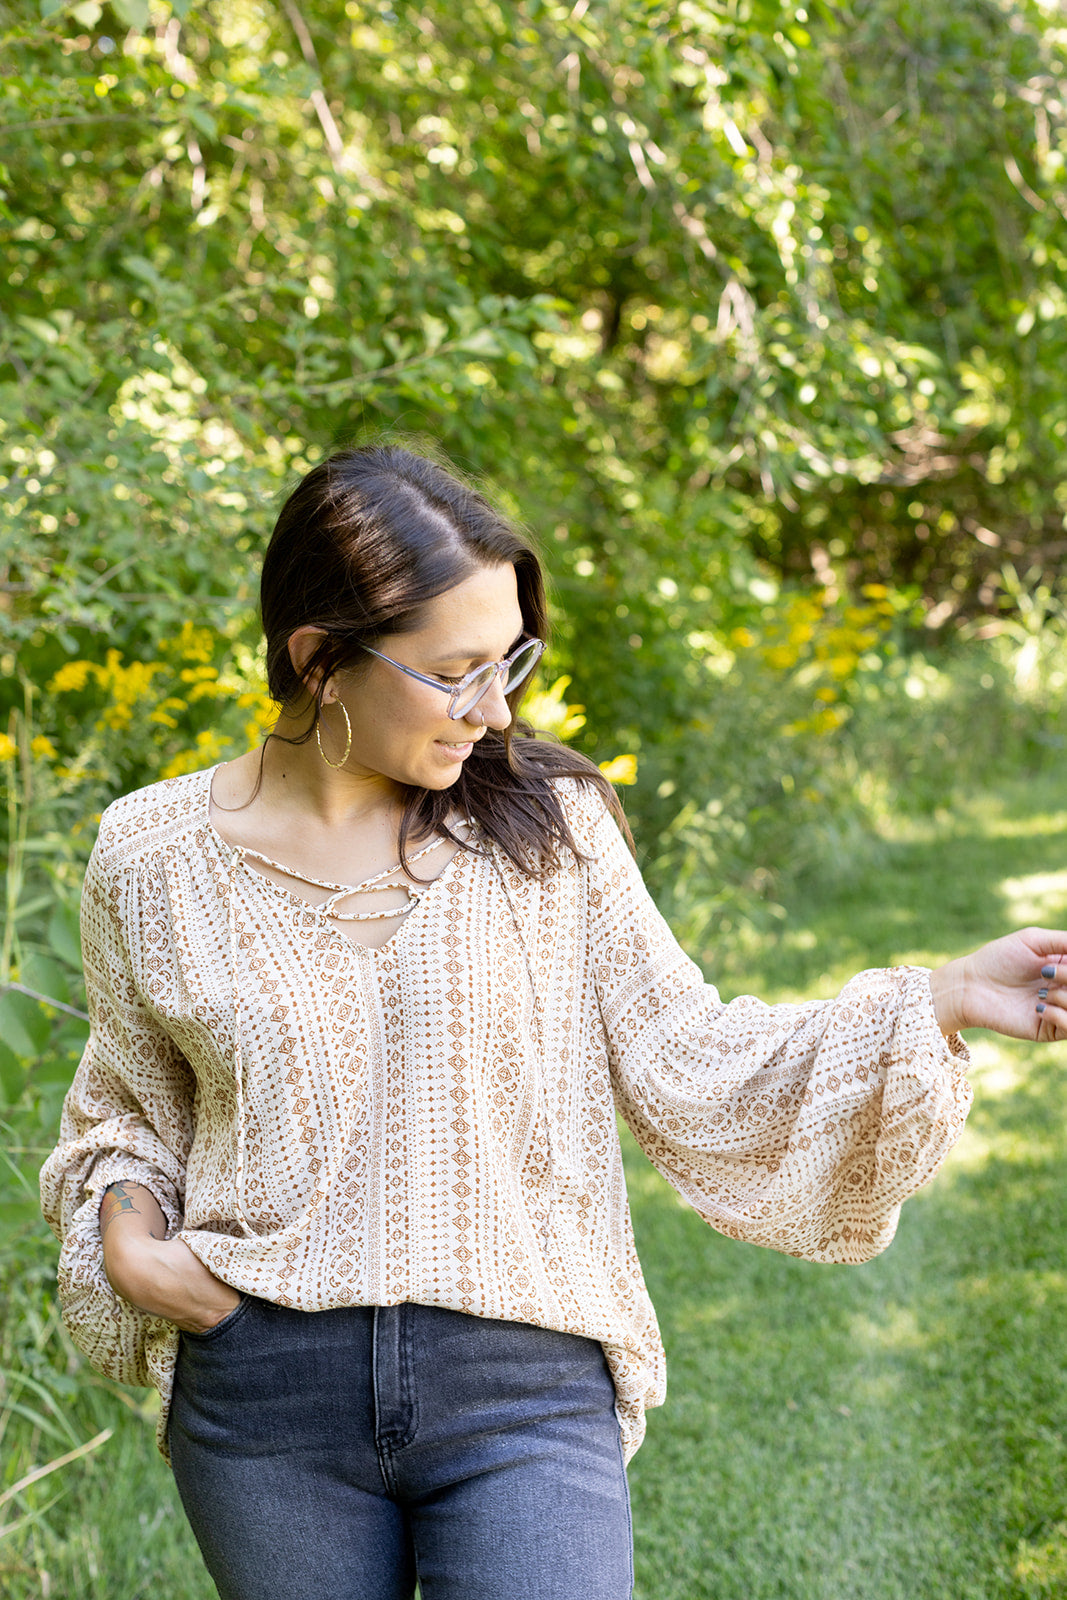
{"x": 897, "y": 1329}
{"x": 692, "y": 1318}
{"x": 1031, "y": 1288}
{"x": 1001, "y": 1069}
{"x": 998, "y": 1066}
{"x": 1018, "y": 808}
{"x": 1041, "y": 1564}
{"x": 925, "y": 891}
{"x": 1040, "y": 898}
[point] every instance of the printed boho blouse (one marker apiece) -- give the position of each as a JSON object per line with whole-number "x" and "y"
{"x": 434, "y": 1121}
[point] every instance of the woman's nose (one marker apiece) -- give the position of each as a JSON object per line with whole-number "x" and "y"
{"x": 492, "y": 708}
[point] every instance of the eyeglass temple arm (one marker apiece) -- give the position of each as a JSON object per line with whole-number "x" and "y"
{"x": 420, "y": 677}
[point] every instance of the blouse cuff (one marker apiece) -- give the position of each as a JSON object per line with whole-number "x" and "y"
{"x": 955, "y": 1042}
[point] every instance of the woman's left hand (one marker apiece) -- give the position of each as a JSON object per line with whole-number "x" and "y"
{"x": 1016, "y": 986}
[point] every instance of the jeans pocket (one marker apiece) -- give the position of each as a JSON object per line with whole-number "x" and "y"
{"x": 225, "y": 1325}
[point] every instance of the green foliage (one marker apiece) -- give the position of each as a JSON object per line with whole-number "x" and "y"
{"x": 711, "y": 295}
{"x": 693, "y": 284}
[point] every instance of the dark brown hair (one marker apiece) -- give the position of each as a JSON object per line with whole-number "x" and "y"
{"x": 363, "y": 542}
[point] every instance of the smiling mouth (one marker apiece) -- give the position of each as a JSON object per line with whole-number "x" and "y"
{"x": 458, "y": 744}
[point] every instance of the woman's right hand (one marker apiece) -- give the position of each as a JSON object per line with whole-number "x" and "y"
{"x": 159, "y": 1275}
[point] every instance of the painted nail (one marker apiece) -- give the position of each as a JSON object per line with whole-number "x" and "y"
{"x": 1048, "y": 972}
{"x": 1040, "y": 1009}
{"x": 1042, "y": 994}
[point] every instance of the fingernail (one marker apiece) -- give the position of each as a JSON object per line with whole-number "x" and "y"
{"x": 1040, "y": 1008}
{"x": 1042, "y": 994}
{"x": 1048, "y": 972}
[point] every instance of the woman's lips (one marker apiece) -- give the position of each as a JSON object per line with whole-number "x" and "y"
{"x": 458, "y": 751}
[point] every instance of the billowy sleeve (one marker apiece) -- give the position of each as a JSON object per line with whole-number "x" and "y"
{"x": 127, "y": 1116}
{"x": 801, "y": 1127}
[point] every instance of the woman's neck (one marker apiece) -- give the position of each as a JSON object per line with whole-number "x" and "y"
{"x": 288, "y": 784}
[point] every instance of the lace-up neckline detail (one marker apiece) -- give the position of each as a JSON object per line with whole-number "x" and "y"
{"x": 390, "y": 878}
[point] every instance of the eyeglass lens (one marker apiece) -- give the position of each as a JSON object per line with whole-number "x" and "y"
{"x": 520, "y": 668}
{"x": 522, "y": 665}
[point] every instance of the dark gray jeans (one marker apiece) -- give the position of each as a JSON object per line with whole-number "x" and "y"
{"x": 340, "y": 1455}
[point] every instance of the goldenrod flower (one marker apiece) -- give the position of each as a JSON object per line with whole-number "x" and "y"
{"x": 74, "y": 675}
{"x": 192, "y": 643}
{"x": 620, "y": 770}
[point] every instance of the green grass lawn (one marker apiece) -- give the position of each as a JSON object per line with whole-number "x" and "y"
{"x": 888, "y": 1432}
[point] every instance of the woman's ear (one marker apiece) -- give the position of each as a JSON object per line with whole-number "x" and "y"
{"x": 302, "y": 646}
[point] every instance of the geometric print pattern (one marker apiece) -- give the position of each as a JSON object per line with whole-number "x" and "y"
{"x": 434, "y": 1120}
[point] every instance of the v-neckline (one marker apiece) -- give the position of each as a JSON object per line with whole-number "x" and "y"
{"x": 297, "y": 901}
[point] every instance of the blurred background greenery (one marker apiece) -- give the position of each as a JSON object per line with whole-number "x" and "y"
{"x": 753, "y": 313}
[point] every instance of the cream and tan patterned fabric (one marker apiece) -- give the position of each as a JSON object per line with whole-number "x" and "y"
{"x": 434, "y": 1120}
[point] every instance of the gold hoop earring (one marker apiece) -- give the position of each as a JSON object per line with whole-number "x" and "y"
{"x": 348, "y": 740}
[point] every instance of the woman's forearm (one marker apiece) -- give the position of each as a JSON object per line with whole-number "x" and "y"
{"x": 160, "y": 1275}
{"x": 131, "y": 1222}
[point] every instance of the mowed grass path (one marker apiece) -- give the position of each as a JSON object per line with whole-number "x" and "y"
{"x": 896, "y": 1431}
{"x": 888, "y": 1432}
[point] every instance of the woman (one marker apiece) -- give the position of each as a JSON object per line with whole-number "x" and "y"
{"x": 339, "y": 1170}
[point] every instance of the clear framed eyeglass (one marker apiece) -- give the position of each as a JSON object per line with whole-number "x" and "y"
{"x": 468, "y": 690}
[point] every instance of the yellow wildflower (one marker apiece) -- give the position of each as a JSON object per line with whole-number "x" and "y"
{"x": 209, "y": 746}
{"x": 192, "y": 643}
{"x": 827, "y": 720}
{"x": 620, "y": 770}
{"x": 549, "y": 711}
{"x": 8, "y": 748}
{"x": 186, "y": 761}
{"x": 43, "y": 748}
{"x": 264, "y": 716}
{"x": 209, "y": 689}
{"x": 74, "y": 675}
{"x": 780, "y": 657}
{"x": 164, "y": 712}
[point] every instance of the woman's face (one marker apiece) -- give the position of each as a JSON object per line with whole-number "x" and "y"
{"x": 401, "y": 730}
